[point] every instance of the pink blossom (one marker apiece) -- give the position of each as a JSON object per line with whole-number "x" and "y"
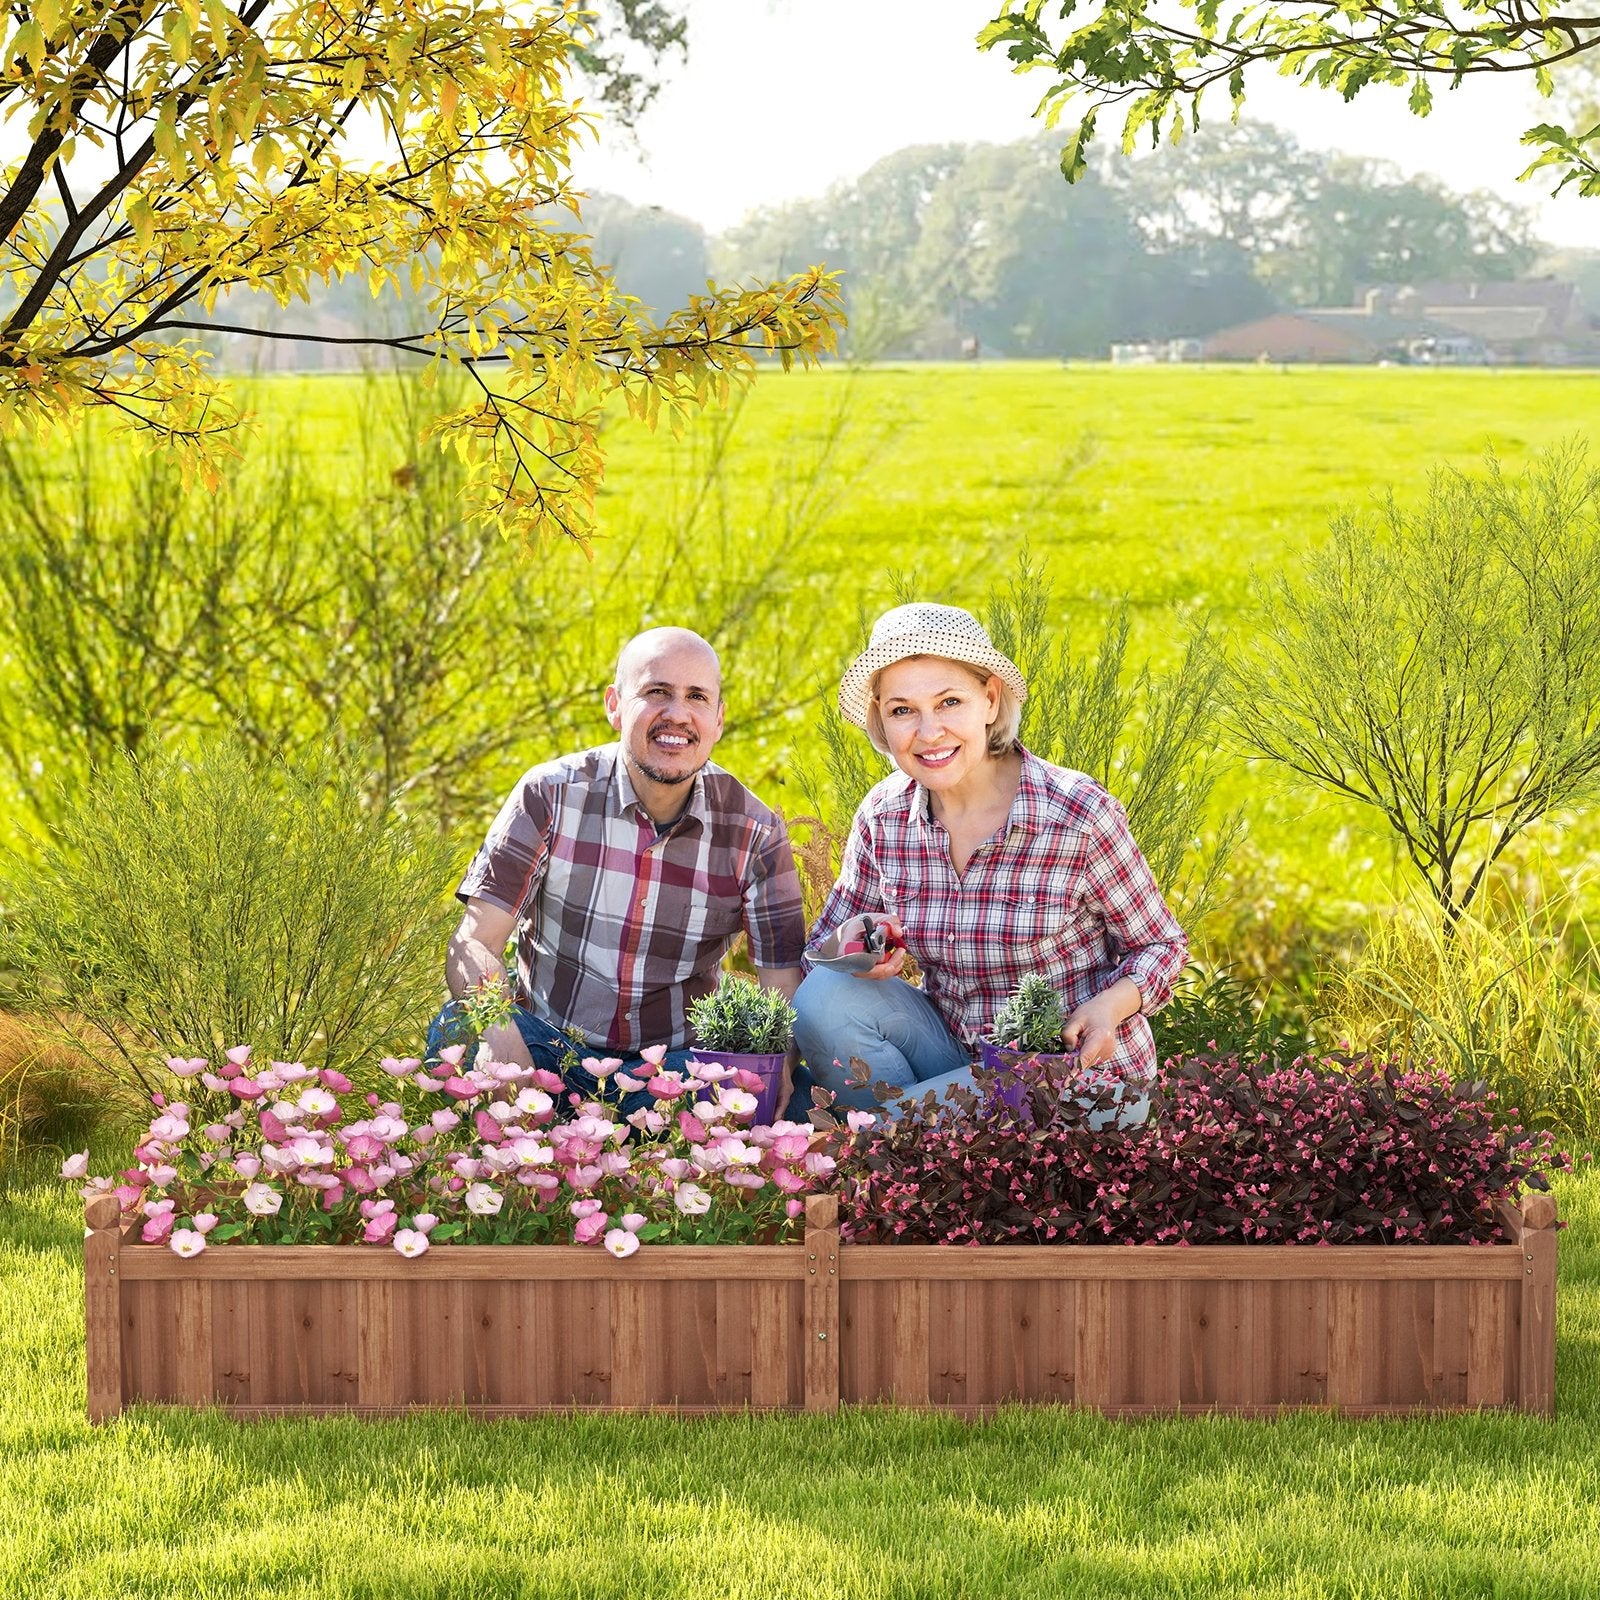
{"x": 790, "y": 1182}
{"x": 246, "y": 1165}
{"x": 246, "y": 1089}
{"x": 335, "y": 1080}
{"x": 239, "y": 1056}
{"x": 262, "y": 1201}
{"x": 162, "y": 1174}
{"x": 431, "y": 1084}
{"x": 401, "y": 1067}
{"x": 459, "y": 1088}
{"x": 410, "y": 1243}
{"x": 482, "y": 1201}
{"x": 633, "y": 1221}
{"x": 76, "y": 1166}
{"x": 621, "y": 1243}
{"x": 205, "y": 1222}
{"x": 582, "y": 1177}
{"x": 452, "y": 1056}
{"x": 187, "y": 1066}
{"x": 794, "y": 1208}
{"x": 676, "y": 1168}
{"x": 158, "y": 1229}
{"x": 590, "y": 1228}
{"x": 218, "y": 1133}
{"x": 127, "y": 1195}
{"x": 627, "y": 1082}
{"x": 584, "y": 1208}
{"x": 424, "y": 1222}
{"x": 692, "y": 1128}
{"x": 185, "y": 1242}
{"x": 742, "y": 1179}
{"x": 653, "y": 1054}
{"x": 379, "y": 1229}
{"x": 691, "y": 1200}
{"x": 215, "y": 1084}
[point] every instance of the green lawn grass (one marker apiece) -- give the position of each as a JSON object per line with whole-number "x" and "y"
{"x": 1171, "y": 486}
{"x": 872, "y": 1503}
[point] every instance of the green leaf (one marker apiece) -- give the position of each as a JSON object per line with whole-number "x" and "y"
{"x": 1073, "y": 163}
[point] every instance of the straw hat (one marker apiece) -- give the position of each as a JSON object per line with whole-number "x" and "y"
{"x": 923, "y": 629}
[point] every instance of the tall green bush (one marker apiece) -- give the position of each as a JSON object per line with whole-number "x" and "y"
{"x": 1441, "y": 664}
{"x": 185, "y": 904}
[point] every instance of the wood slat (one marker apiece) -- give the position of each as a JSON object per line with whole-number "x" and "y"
{"x": 948, "y": 1351}
{"x": 1164, "y": 1262}
{"x": 1536, "y": 1368}
{"x": 378, "y": 1382}
{"x": 577, "y": 1263}
{"x": 1216, "y": 1340}
{"x": 821, "y": 1265}
{"x": 1092, "y": 1343}
{"x": 1452, "y": 1352}
{"x": 908, "y": 1341}
{"x": 102, "y": 1308}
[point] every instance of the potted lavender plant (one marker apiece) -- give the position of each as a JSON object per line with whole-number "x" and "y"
{"x": 743, "y": 1024}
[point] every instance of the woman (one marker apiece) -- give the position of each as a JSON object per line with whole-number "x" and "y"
{"x": 987, "y": 863}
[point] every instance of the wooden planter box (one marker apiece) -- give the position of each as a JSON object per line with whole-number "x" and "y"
{"x": 511, "y": 1330}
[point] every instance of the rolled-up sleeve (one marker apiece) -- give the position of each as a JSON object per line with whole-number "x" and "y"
{"x": 510, "y": 864}
{"x": 859, "y": 888}
{"x": 1145, "y": 939}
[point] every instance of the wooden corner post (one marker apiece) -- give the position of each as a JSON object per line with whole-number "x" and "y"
{"x": 102, "y": 1293}
{"x": 1536, "y": 1368}
{"x": 822, "y": 1302}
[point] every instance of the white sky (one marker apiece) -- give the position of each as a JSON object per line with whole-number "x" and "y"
{"x": 780, "y": 98}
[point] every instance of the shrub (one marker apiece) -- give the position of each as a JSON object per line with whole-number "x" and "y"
{"x": 186, "y": 904}
{"x": 1030, "y": 1016}
{"x": 1218, "y": 1013}
{"x": 1234, "y": 1153}
{"x": 1510, "y": 996}
{"x": 742, "y": 1017}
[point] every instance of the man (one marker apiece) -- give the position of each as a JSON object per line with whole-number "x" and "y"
{"x": 625, "y": 873}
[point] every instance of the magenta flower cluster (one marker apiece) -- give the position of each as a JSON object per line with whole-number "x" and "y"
{"x": 488, "y": 1154}
{"x": 1234, "y": 1152}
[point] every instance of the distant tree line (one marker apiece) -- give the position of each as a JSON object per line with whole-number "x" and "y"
{"x": 943, "y": 243}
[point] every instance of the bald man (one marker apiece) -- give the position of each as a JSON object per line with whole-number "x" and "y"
{"x": 624, "y": 873}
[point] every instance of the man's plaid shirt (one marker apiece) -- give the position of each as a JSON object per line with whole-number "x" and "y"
{"x": 619, "y": 928}
{"x": 1063, "y": 891}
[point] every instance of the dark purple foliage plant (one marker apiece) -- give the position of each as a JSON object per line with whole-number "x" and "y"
{"x": 1234, "y": 1152}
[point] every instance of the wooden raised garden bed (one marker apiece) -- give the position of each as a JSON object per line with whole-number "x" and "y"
{"x": 507, "y": 1330}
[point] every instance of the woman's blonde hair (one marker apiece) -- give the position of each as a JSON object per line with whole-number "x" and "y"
{"x": 1002, "y": 731}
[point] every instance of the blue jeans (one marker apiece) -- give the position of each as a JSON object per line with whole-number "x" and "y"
{"x": 888, "y": 1024}
{"x": 900, "y": 1035}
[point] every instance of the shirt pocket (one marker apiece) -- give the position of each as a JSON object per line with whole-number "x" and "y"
{"x": 1048, "y": 922}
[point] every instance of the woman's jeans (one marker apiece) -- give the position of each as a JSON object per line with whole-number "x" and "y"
{"x": 897, "y": 1031}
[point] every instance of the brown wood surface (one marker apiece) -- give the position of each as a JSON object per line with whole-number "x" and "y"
{"x": 102, "y": 1307}
{"x": 733, "y": 1327}
{"x": 821, "y": 1263}
{"x": 575, "y": 1263}
{"x": 1161, "y": 1262}
{"x": 1536, "y": 1386}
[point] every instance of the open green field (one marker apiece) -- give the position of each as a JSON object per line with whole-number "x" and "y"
{"x": 1171, "y": 486}
{"x": 870, "y": 1505}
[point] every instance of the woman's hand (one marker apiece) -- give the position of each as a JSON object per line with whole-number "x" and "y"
{"x": 1091, "y": 1030}
{"x": 891, "y": 964}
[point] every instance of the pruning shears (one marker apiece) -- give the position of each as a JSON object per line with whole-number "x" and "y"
{"x": 859, "y": 946}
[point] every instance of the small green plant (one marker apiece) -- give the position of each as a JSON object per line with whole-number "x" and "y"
{"x": 742, "y": 1018}
{"x": 1030, "y": 1017}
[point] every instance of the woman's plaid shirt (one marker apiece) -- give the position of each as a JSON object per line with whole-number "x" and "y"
{"x": 1063, "y": 891}
{"x": 620, "y": 927}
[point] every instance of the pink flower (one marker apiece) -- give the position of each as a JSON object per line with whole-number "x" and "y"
{"x": 653, "y": 1054}
{"x": 215, "y": 1084}
{"x": 158, "y": 1229}
{"x": 401, "y": 1068}
{"x": 627, "y": 1082}
{"x": 380, "y": 1228}
{"x": 186, "y": 1242}
{"x": 633, "y": 1221}
{"x": 76, "y": 1166}
{"x": 219, "y": 1133}
{"x": 246, "y": 1089}
{"x": 582, "y": 1177}
{"x": 647, "y": 1120}
{"x": 335, "y": 1080}
{"x": 621, "y": 1243}
{"x": 127, "y": 1195}
{"x": 741, "y": 1179}
{"x": 451, "y": 1056}
{"x": 246, "y": 1165}
{"x": 482, "y": 1201}
{"x": 239, "y": 1056}
{"x": 692, "y": 1128}
{"x": 789, "y": 1182}
{"x": 794, "y": 1208}
{"x": 205, "y": 1222}
{"x": 590, "y": 1228}
{"x": 423, "y": 1081}
{"x": 410, "y": 1243}
{"x": 261, "y": 1201}
{"x": 424, "y": 1222}
{"x": 187, "y": 1066}
{"x": 584, "y": 1208}
{"x": 692, "y": 1200}
{"x": 162, "y": 1174}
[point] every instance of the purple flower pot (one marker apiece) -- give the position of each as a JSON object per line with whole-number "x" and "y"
{"x": 769, "y": 1068}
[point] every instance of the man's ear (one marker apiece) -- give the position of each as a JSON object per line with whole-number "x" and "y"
{"x": 613, "y": 706}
